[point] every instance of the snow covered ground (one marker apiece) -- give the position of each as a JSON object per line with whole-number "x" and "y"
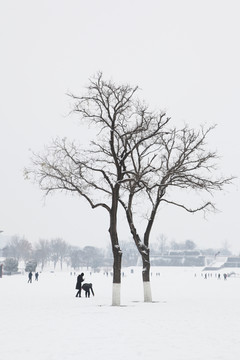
{"x": 191, "y": 318}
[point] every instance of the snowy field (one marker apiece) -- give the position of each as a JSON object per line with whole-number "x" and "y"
{"x": 191, "y": 317}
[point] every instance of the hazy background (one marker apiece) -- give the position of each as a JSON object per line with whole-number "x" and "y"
{"x": 183, "y": 54}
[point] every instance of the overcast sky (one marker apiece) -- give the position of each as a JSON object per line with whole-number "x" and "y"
{"x": 184, "y": 55}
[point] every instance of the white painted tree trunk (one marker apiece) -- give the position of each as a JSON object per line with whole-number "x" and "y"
{"x": 147, "y": 291}
{"x": 116, "y": 294}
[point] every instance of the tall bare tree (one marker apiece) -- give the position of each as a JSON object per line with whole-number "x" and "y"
{"x": 18, "y": 248}
{"x": 59, "y": 250}
{"x": 76, "y": 257}
{"x": 178, "y": 160}
{"x": 96, "y": 173}
{"x": 134, "y": 153}
{"x": 42, "y": 251}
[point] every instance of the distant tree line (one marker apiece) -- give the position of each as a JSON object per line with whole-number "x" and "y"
{"x": 163, "y": 247}
{"x": 55, "y": 251}
{"x": 59, "y": 252}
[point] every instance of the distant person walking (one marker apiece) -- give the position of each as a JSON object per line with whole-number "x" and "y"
{"x": 87, "y": 287}
{"x": 80, "y": 279}
{"x": 36, "y": 276}
{"x": 30, "y": 277}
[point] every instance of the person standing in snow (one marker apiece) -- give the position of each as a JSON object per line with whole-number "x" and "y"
{"x": 36, "y": 276}
{"x": 30, "y": 277}
{"x": 80, "y": 279}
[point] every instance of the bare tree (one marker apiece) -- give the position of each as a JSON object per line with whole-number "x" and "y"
{"x": 190, "y": 245}
{"x": 96, "y": 173}
{"x": 10, "y": 266}
{"x": 18, "y": 248}
{"x": 42, "y": 252}
{"x": 177, "y": 160}
{"x": 92, "y": 256}
{"x": 76, "y": 257}
{"x": 160, "y": 245}
{"x": 134, "y": 154}
{"x": 59, "y": 250}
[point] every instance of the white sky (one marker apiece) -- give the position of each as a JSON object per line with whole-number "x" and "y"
{"x": 183, "y": 54}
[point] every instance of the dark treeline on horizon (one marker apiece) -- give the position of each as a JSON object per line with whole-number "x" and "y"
{"x": 58, "y": 251}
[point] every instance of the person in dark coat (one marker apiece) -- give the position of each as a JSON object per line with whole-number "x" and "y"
{"x": 36, "y": 276}
{"x": 30, "y": 277}
{"x": 80, "y": 279}
{"x": 87, "y": 287}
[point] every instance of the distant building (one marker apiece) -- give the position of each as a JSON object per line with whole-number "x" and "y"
{"x": 223, "y": 262}
{"x": 179, "y": 258}
{"x": 233, "y": 261}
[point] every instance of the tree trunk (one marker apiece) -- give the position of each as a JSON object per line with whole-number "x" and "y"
{"x": 117, "y": 253}
{"x": 117, "y": 264}
{"x": 116, "y": 290}
{"x": 146, "y": 278}
{"x": 146, "y": 256}
{"x": 144, "y": 252}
